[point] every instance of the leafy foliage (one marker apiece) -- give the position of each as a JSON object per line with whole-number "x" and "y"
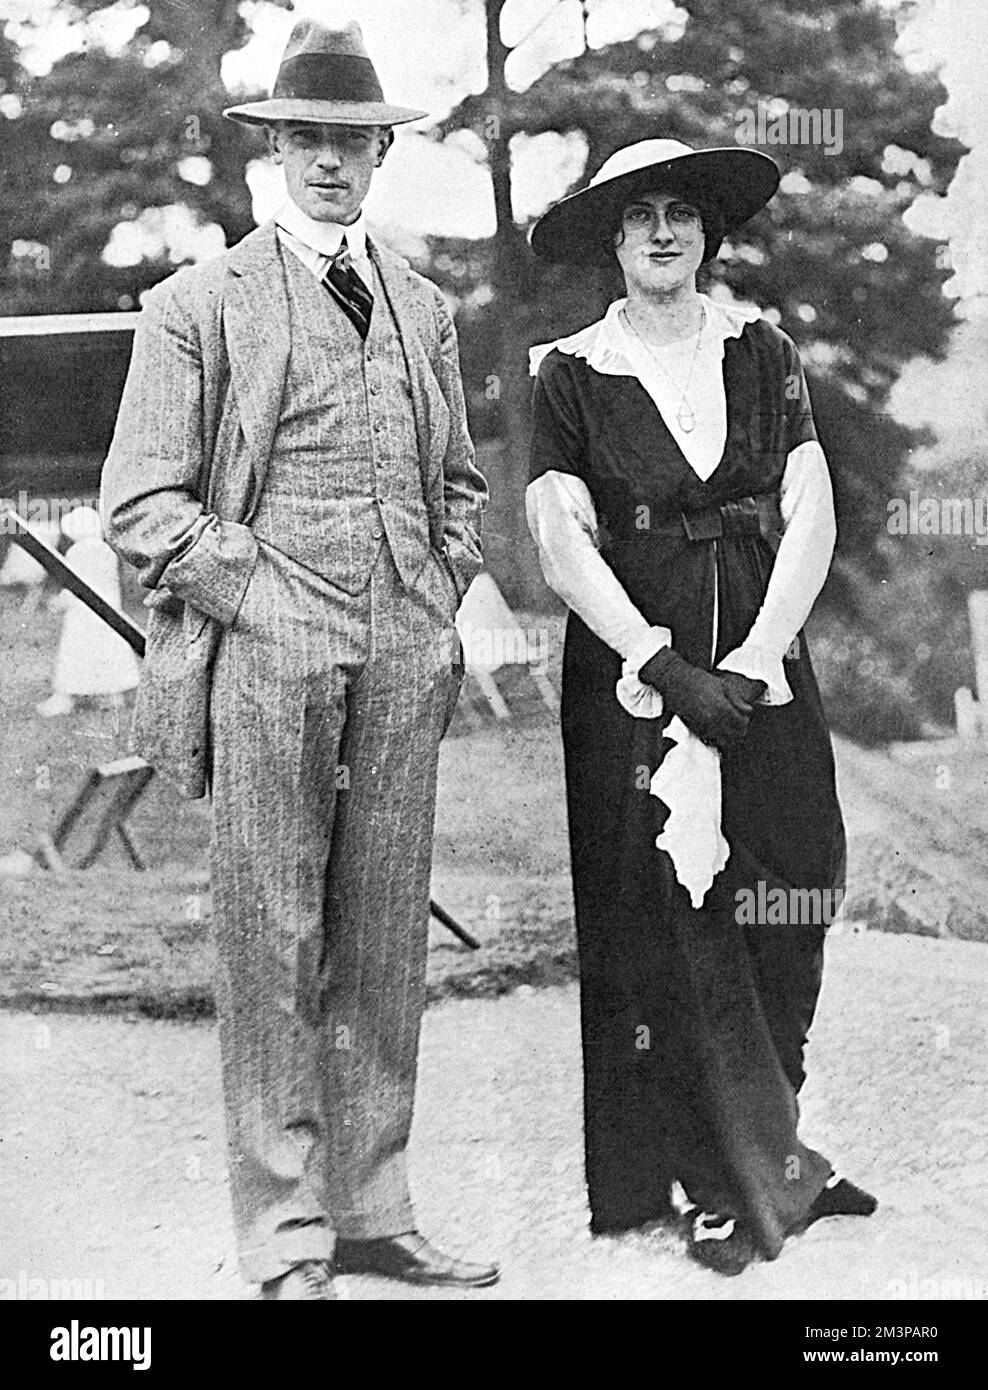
{"x": 102, "y": 138}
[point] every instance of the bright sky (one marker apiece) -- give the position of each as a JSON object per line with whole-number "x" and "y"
{"x": 951, "y": 396}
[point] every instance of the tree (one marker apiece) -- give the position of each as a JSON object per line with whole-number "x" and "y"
{"x": 512, "y": 282}
{"x": 830, "y": 257}
{"x": 103, "y": 139}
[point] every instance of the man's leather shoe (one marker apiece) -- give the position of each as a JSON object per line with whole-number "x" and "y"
{"x": 412, "y": 1258}
{"x": 306, "y": 1282}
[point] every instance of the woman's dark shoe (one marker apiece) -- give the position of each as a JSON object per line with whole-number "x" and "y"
{"x": 410, "y": 1257}
{"x": 308, "y": 1282}
{"x": 840, "y": 1198}
{"x": 721, "y": 1243}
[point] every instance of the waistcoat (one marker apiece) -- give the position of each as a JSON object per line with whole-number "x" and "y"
{"x": 344, "y": 476}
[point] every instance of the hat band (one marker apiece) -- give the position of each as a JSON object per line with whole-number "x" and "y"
{"x": 339, "y": 77}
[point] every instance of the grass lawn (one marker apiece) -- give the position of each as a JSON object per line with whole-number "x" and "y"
{"x": 140, "y": 941}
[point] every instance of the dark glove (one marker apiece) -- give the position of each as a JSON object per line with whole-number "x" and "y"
{"x": 742, "y": 690}
{"x": 708, "y": 706}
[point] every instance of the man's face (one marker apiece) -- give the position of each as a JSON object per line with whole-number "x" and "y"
{"x": 328, "y": 168}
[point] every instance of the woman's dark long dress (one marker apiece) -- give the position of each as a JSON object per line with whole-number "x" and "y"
{"x": 693, "y": 1025}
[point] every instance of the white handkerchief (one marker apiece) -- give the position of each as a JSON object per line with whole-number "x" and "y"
{"x": 688, "y": 782}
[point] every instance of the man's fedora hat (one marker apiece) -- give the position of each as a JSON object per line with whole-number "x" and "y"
{"x": 733, "y": 181}
{"x": 325, "y": 76}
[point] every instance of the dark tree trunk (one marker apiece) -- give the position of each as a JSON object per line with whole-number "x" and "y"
{"x": 511, "y": 550}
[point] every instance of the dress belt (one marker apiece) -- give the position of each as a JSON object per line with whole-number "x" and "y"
{"x": 756, "y": 515}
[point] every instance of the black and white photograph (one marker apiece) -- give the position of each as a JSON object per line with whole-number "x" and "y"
{"x": 493, "y": 633}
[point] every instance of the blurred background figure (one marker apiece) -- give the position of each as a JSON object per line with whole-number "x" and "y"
{"x": 21, "y": 575}
{"x": 92, "y": 660}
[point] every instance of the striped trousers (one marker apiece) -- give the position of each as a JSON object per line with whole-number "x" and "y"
{"x": 326, "y": 716}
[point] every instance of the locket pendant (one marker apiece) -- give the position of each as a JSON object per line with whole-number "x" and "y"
{"x": 686, "y": 420}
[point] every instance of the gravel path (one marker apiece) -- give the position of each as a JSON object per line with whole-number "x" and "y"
{"x": 111, "y": 1152}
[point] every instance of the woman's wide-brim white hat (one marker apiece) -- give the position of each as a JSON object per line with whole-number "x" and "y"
{"x": 737, "y": 182}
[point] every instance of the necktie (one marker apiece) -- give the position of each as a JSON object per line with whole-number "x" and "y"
{"x": 349, "y": 291}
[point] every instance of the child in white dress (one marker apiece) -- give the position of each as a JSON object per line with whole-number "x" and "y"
{"x": 92, "y": 660}
{"x": 20, "y": 573}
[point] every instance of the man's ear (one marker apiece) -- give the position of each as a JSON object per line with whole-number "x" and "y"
{"x": 274, "y": 143}
{"x": 385, "y": 141}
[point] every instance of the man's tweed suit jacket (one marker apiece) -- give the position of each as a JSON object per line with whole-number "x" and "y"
{"x": 209, "y": 363}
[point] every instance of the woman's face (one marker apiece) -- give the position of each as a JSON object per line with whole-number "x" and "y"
{"x": 659, "y": 244}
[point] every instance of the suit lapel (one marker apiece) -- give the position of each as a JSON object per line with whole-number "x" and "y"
{"x": 258, "y": 339}
{"x": 431, "y": 429}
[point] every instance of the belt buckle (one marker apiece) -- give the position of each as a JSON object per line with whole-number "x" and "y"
{"x": 742, "y": 516}
{"x": 707, "y": 525}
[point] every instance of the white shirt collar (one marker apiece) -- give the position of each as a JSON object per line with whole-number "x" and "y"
{"x": 608, "y": 347}
{"x": 323, "y": 237}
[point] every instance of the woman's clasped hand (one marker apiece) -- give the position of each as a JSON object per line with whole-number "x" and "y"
{"x": 716, "y": 706}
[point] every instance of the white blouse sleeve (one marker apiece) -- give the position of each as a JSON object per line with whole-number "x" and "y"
{"x": 801, "y": 567}
{"x": 563, "y": 523}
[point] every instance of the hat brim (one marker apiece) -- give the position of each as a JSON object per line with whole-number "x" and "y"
{"x": 738, "y": 182}
{"x": 260, "y": 113}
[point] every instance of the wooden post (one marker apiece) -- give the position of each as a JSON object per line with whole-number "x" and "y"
{"x": 977, "y": 608}
{"x": 966, "y": 715}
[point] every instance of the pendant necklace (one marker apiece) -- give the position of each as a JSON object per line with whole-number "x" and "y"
{"x": 685, "y": 418}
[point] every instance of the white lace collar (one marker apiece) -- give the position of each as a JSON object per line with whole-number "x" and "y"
{"x": 605, "y": 345}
